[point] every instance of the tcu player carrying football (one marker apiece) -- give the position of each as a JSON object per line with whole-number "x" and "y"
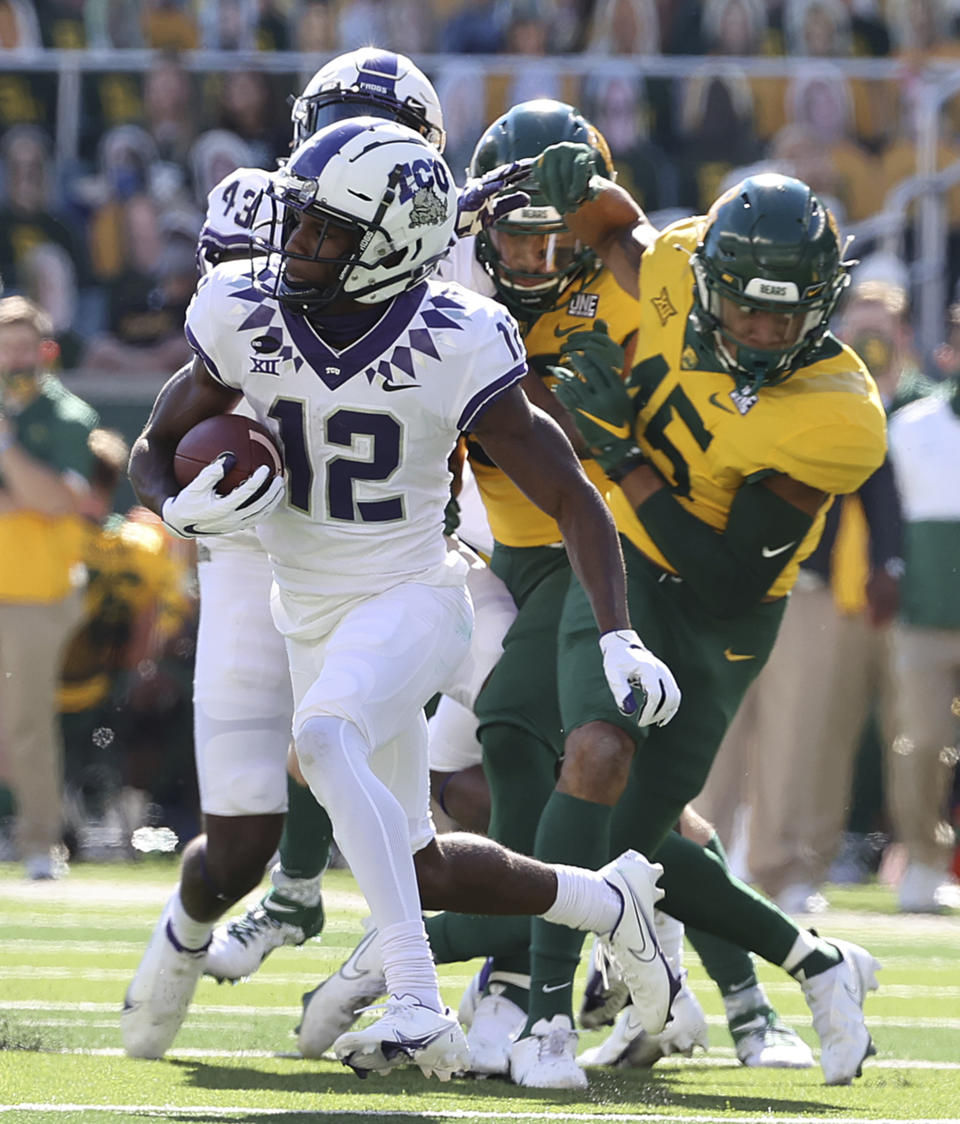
{"x": 242, "y": 700}
{"x": 368, "y": 372}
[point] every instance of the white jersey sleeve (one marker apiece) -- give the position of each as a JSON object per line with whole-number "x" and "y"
{"x": 234, "y": 208}
{"x": 461, "y": 265}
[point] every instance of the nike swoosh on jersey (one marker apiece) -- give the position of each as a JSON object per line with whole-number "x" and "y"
{"x": 623, "y": 431}
{"x": 547, "y": 988}
{"x": 770, "y": 552}
{"x": 735, "y": 657}
{"x": 560, "y": 332}
{"x": 400, "y": 386}
{"x": 720, "y": 406}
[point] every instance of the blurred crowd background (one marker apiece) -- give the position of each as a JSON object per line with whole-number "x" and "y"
{"x": 118, "y": 116}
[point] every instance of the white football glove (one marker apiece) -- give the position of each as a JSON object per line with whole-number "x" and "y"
{"x": 629, "y": 666}
{"x": 198, "y": 509}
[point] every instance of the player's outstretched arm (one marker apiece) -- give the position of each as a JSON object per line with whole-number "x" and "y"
{"x": 533, "y": 451}
{"x": 600, "y": 214}
{"x": 187, "y": 397}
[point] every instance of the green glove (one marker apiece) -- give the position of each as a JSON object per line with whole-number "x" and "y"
{"x": 590, "y": 386}
{"x": 565, "y": 173}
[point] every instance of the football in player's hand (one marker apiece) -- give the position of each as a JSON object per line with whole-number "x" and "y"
{"x": 250, "y": 443}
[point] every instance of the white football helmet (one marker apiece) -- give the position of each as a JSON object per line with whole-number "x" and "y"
{"x": 374, "y": 82}
{"x": 378, "y": 178}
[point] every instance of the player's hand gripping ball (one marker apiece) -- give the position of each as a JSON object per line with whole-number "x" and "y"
{"x": 231, "y": 475}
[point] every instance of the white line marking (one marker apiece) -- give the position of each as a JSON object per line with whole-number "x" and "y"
{"x": 450, "y": 1114}
{"x": 249, "y": 1010}
{"x": 721, "y": 1057}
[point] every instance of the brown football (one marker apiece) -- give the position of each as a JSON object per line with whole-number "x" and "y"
{"x": 251, "y": 444}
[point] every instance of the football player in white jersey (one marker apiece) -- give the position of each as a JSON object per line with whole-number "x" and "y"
{"x": 242, "y": 701}
{"x": 368, "y": 372}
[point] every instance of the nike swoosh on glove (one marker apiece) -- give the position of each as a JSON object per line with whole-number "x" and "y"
{"x": 198, "y": 509}
{"x": 630, "y": 667}
{"x": 483, "y": 201}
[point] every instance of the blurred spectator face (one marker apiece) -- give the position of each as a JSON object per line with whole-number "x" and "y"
{"x": 819, "y": 31}
{"x": 735, "y": 32}
{"x": 803, "y": 155}
{"x": 824, "y": 107}
{"x": 617, "y": 115}
{"x": 166, "y": 92}
{"x": 244, "y": 101}
{"x": 26, "y": 169}
{"x": 126, "y": 154}
{"x": 527, "y": 37}
{"x": 316, "y": 28}
{"x": 873, "y": 324}
{"x": 22, "y": 355}
{"x": 50, "y": 281}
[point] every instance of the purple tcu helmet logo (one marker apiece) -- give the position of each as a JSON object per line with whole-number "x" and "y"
{"x": 418, "y": 182}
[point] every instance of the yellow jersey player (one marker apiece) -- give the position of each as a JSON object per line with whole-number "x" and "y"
{"x": 740, "y": 420}
{"x": 559, "y": 292}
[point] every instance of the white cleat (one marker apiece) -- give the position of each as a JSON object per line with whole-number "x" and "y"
{"x": 633, "y": 945}
{"x": 473, "y": 993}
{"x": 835, "y": 998}
{"x": 762, "y": 1041}
{"x": 605, "y": 994}
{"x": 547, "y": 1057}
{"x": 629, "y": 1045}
{"x": 159, "y": 994}
{"x": 496, "y": 1023}
{"x": 289, "y": 914}
{"x": 334, "y": 1005}
{"x": 407, "y": 1034}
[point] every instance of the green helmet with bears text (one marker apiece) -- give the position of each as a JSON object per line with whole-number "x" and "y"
{"x": 769, "y": 244}
{"x": 525, "y": 131}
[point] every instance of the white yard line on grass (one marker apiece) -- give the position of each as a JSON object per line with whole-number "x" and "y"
{"x": 728, "y": 1060}
{"x": 455, "y": 1114}
{"x": 252, "y": 1011}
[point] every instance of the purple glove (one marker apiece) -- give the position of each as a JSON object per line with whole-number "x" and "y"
{"x": 482, "y": 201}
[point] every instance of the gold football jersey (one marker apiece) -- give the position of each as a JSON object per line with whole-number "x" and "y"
{"x": 514, "y": 520}
{"x": 823, "y": 426}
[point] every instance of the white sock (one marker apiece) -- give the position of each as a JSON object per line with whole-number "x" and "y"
{"x": 802, "y": 947}
{"x": 369, "y": 824}
{"x": 737, "y": 1003}
{"x": 585, "y": 900}
{"x": 408, "y": 964}
{"x": 192, "y": 934}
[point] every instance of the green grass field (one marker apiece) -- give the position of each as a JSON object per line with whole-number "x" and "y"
{"x": 68, "y": 949}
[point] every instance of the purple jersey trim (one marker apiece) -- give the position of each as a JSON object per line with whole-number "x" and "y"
{"x": 335, "y": 368}
{"x": 207, "y": 361}
{"x": 479, "y": 402}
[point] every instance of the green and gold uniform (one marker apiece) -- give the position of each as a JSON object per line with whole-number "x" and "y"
{"x": 530, "y": 559}
{"x": 823, "y": 426}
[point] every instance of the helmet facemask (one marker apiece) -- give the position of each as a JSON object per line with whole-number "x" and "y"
{"x": 753, "y": 367}
{"x": 560, "y": 259}
{"x": 769, "y": 245}
{"x": 401, "y": 228}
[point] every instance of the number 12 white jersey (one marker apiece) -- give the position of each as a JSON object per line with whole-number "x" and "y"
{"x": 366, "y": 431}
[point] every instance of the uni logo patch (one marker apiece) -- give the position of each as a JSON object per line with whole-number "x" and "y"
{"x": 583, "y": 304}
